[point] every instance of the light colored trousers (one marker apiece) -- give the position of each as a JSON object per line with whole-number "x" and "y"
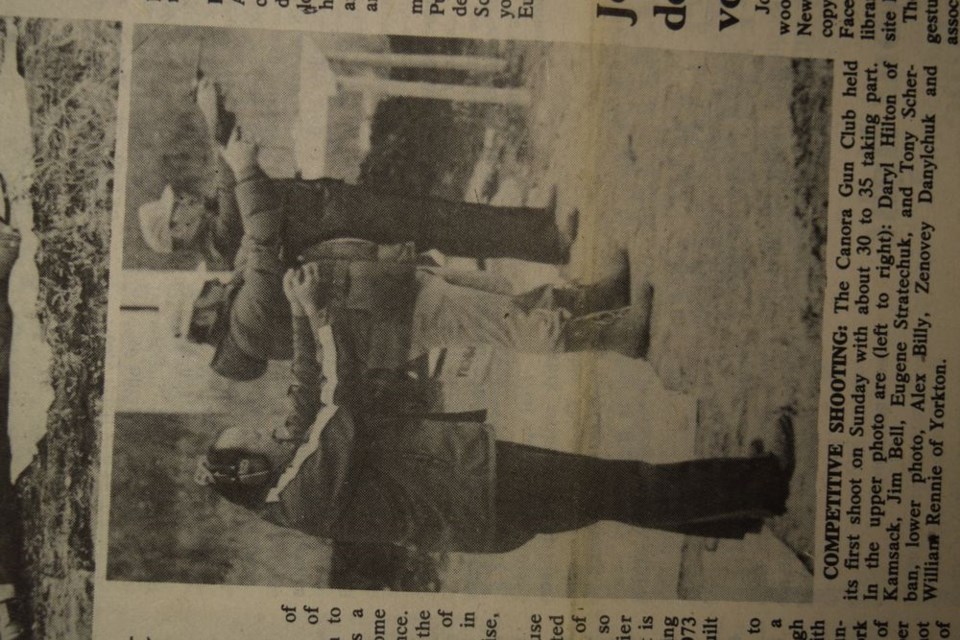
{"x": 462, "y": 308}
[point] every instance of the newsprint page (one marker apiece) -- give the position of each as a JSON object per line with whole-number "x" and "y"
{"x": 479, "y": 319}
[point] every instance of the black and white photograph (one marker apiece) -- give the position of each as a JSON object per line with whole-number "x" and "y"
{"x": 468, "y": 316}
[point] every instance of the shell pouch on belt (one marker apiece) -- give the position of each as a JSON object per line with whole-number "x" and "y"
{"x": 379, "y": 281}
{"x": 387, "y": 292}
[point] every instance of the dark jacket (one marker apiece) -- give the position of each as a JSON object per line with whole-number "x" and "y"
{"x": 370, "y": 296}
{"x": 312, "y": 212}
{"x": 382, "y": 472}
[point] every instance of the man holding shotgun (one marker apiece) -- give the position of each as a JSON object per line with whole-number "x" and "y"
{"x": 325, "y": 208}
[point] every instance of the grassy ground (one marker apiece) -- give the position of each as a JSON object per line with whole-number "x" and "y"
{"x": 72, "y": 72}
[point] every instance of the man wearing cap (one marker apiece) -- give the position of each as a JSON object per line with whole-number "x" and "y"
{"x": 359, "y": 461}
{"x": 324, "y": 209}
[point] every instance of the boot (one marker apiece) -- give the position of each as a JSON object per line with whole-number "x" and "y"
{"x": 578, "y": 300}
{"x": 781, "y": 445}
{"x": 625, "y": 330}
{"x": 605, "y": 295}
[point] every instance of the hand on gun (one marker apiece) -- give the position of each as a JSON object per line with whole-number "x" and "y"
{"x": 240, "y": 153}
{"x": 307, "y": 288}
{"x": 210, "y": 101}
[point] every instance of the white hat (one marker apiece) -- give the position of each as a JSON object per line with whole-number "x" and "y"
{"x": 155, "y": 222}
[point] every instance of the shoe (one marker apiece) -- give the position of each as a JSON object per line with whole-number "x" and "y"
{"x": 781, "y": 446}
{"x": 625, "y": 331}
{"x": 582, "y": 300}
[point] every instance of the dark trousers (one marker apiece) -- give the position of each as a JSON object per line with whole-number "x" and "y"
{"x": 544, "y": 491}
{"x": 325, "y": 209}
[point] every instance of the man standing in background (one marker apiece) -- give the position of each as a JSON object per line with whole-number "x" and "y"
{"x": 325, "y": 209}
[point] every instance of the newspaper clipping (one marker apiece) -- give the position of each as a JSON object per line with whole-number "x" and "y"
{"x": 461, "y": 319}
